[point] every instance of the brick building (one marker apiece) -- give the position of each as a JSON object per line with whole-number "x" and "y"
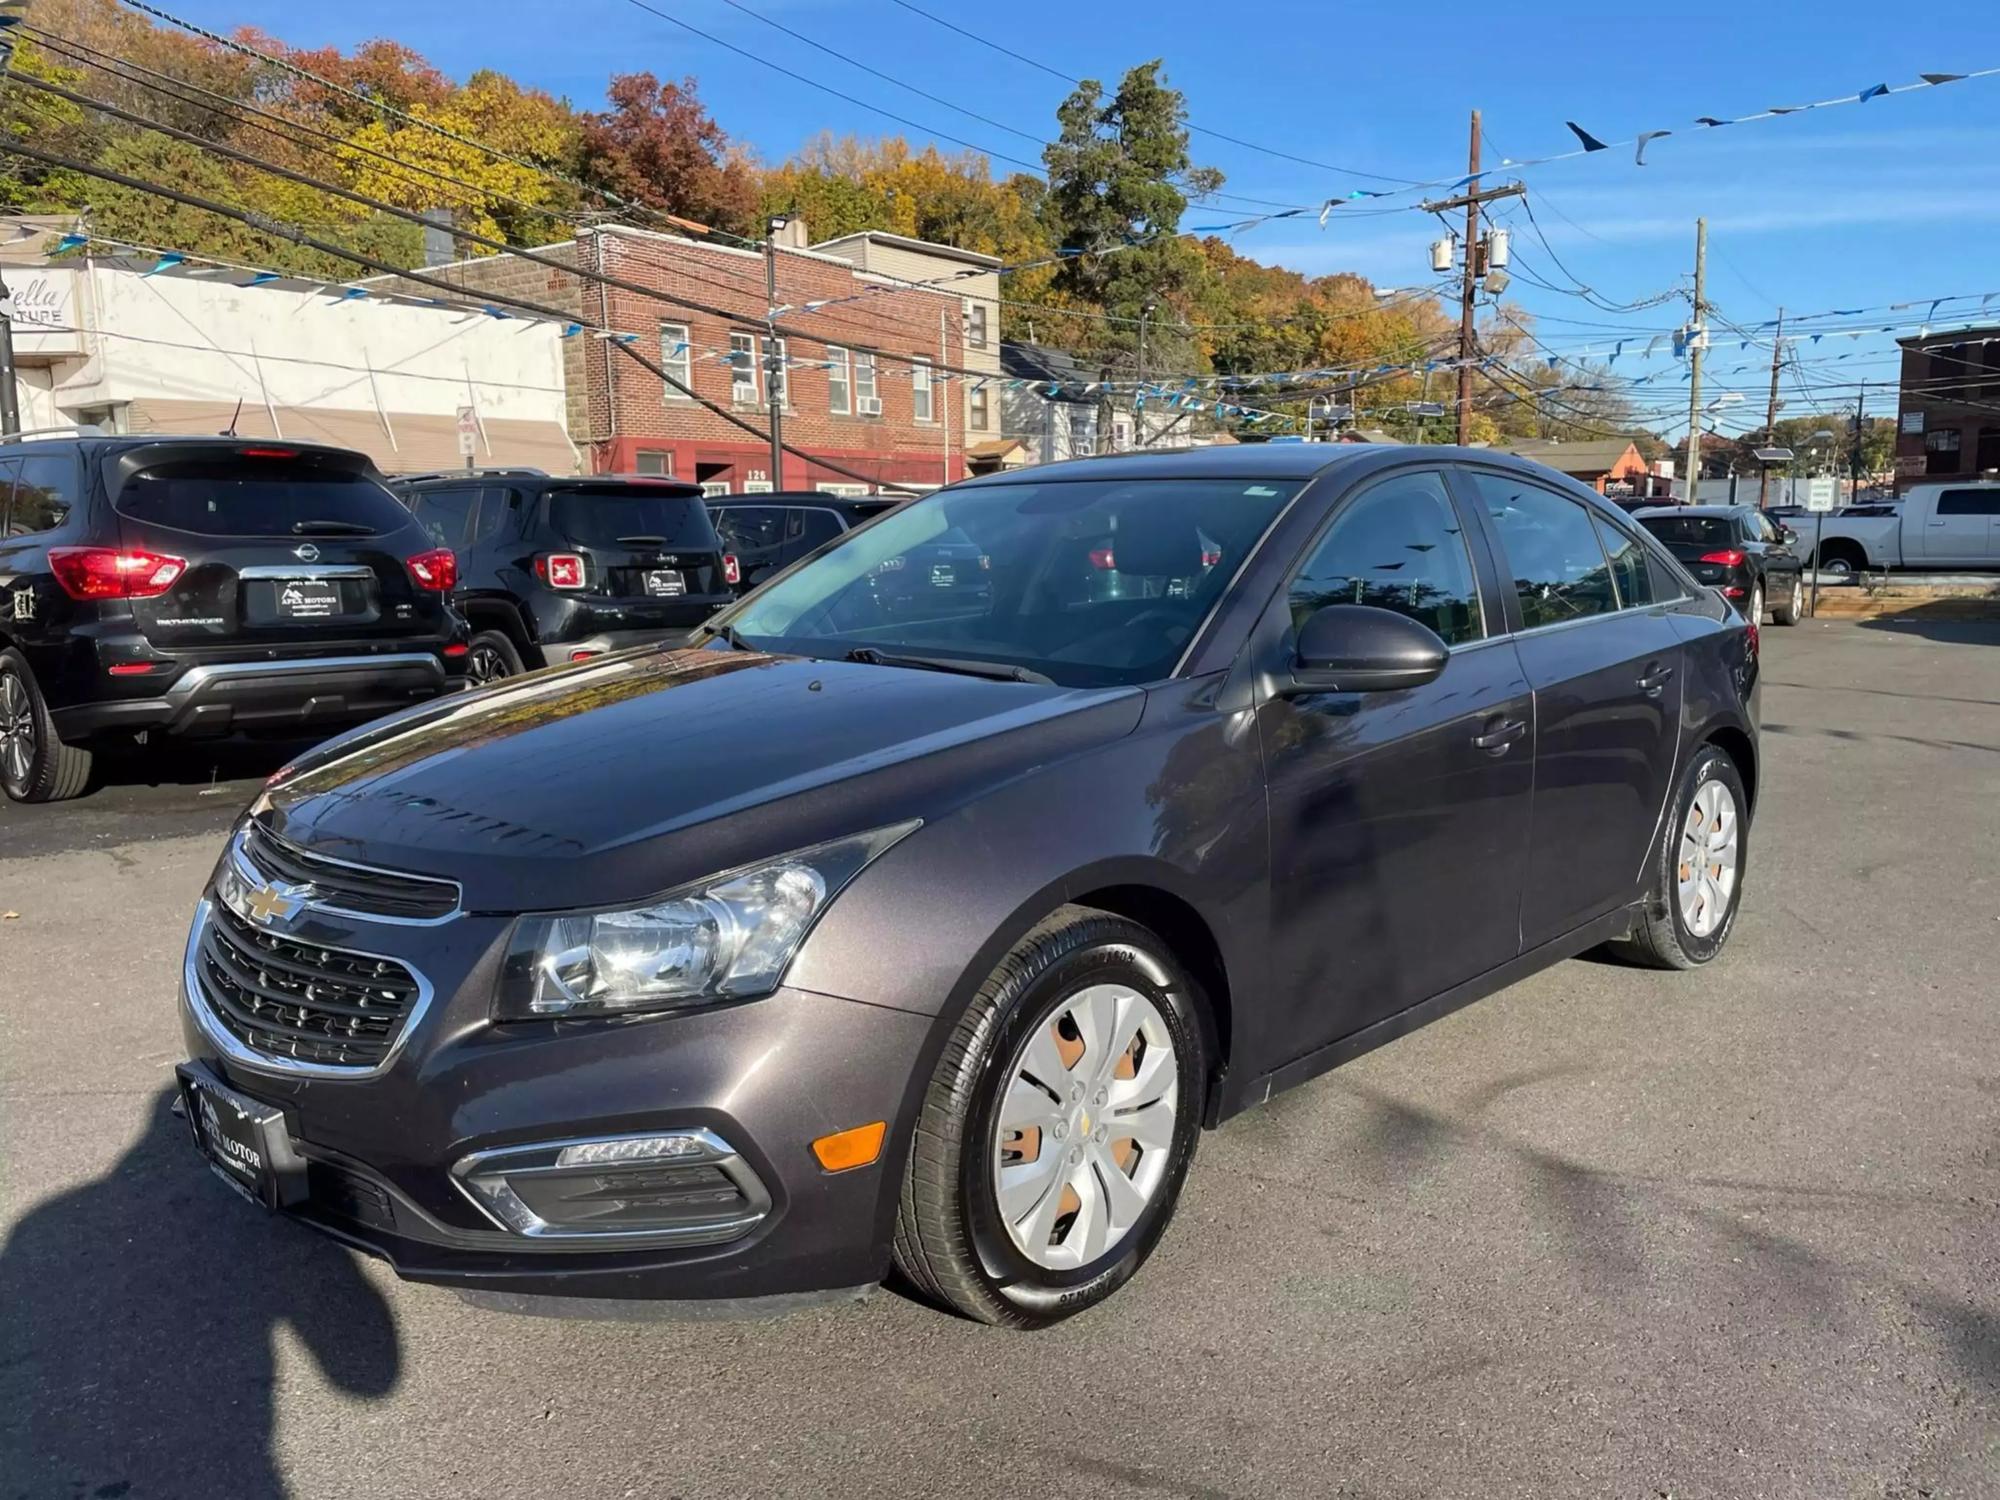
{"x": 1948, "y": 418}
{"x": 865, "y": 384}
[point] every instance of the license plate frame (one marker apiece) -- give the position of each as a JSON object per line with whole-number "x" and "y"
{"x": 665, "y": 583}
{"x": 944, "y": 575}
{"x": 247, "y": 1143}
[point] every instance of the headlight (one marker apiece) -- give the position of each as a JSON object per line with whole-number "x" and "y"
{"x": 727, "y": 937}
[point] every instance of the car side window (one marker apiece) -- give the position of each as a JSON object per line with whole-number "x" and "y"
{"x": 1550, "y": 545}
{"x": 1969, "y": 503}
{"x": 1770, "y": 530}
{"x": 7, "y": 471}
{"x": 816, "y": 527}
{"x": 750, "y": 528}
{"x": 44, "y": 491}
{"x": 445, "y": 514}
{"x": 1629, "y": 572}
{"x": 496, "y": 504}
{"x": 1396, "y": 546}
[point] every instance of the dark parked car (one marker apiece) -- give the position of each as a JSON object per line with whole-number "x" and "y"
{"x": 1737, "y": 549}
{"x": 560, "y": 570}
{"x": 768, "y": 533}
{"x": 854, "y": 937}
{"x": 200, "y": 586}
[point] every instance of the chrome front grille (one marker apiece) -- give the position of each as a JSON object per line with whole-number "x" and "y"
{"x": 348, "y": 889}
{"x": 298, "y": 1002}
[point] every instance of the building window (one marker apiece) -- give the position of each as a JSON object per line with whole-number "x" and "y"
{"x": 743, "y": 369}
{"x": 675, "y": 359}
{"x": 1941, "y": 451}
{"x": 975, "y": 325}
{"x": 982, "y": 415}
{"x": 655, "y": 461}
{"x": 715, "y": 486}
{"x": 847, "y": 491}
{"x": 867, "y": 400}
{"x": 837, "y": 382}
{"x": 1989, "y": 449}
{"x": 921, "y": 406}
{"x": 1121, "y": 434}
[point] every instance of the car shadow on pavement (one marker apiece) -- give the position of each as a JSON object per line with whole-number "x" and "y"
{"x": 1947, "y": 622}
{"x": 138, "y": 1341}
{"x": 193, "y": 762}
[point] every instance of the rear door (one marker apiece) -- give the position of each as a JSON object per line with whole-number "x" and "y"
{"x": 1604, "y": 662}
{"x": 1961, "y": 532}
{"x": 283, "y": 547}
{"x": 641, "y": 541}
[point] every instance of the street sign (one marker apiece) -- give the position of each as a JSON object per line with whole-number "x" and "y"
{"x": 1820, "y": 494}
{"x": 468, "y": 431}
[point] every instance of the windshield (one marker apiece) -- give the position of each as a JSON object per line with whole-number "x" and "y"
{"x": 600, "y": 515}
{"x": 1692, "y": 531}
{"x": 1088, "y": 582}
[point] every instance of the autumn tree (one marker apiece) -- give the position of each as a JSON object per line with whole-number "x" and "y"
{"x": 658, "y": 145}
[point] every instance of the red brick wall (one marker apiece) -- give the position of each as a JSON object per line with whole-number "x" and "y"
{"x": 646, "y": 416}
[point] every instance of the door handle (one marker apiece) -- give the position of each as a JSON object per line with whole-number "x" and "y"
{"x": 1655, "y": 679}
{"x": 1496, "y": 740}
{"x": 1937, "y": 523}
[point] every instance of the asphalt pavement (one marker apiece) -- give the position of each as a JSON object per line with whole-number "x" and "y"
{"x": 1610, "y": 1233}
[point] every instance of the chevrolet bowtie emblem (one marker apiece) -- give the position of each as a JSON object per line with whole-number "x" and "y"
{"x": 277, "y": 903}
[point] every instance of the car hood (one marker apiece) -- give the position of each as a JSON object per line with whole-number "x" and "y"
{"x": 616, "y": 780}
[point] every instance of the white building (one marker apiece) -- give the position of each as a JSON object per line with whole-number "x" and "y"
{"x": 202, "y": 351}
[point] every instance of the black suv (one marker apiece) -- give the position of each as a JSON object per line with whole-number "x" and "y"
{"x": 199, "y": 586}
{"x": 1738, "y": 549}
{"x": 559, "y": 570}
{"x": 768, "y": 533}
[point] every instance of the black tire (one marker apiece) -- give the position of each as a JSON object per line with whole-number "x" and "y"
{"x": 1840, "y": 558}
{"x": 950, "y": 1240}
{"x": 53, "y": 771}
{"x": 1661, "y": 938}
{"x": 491, "y": 656}
{"x": 1789, "y": 612}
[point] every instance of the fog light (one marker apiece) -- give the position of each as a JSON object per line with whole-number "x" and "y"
{"x": 846, "y": 1149}
{"x": 685, "y": 1186}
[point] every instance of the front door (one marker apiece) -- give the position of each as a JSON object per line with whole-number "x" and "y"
{"x": 1961, "y": 533}
{"x": 1399, "y": 820}
{"x": 1605, "y": 666}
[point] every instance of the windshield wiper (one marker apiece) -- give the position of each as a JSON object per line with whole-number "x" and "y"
{"x": 999, "y": 670}
{"x": 653, "y": 541}
{"x": 331, "y": 528}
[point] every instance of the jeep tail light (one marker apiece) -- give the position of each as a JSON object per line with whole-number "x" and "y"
{"x": 732, "y": 570}
{"x": 1211, "y": 558}
{"x": 560, "y": 570}
{"x": 108, "y": 573}
{"x": 985, "y": 563}
{"x": 1728, "y": 557}
{"x": 1102, "y": 560}
{"x": 435, "y": 572}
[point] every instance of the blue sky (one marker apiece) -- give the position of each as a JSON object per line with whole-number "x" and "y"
{"x": 1894, "y": 200}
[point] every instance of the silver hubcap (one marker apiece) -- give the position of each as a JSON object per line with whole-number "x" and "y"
{"x": 1757, "y": 605}
{"x": 1708, "y": 858}
{"x": 1087, "y": 1126}
{"x": 17, "y": 730}
{"x": 1798, "y": 597}
{"x": 485, "y": 665}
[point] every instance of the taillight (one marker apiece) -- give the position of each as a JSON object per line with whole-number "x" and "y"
{"x": 1732, "y": 592}
{"x": 435, "y": 571}
{"x": 732, "y": 570}
{"x": 1755, "y": 638}
{"x": 1728, "y": 557}
{"x": 560, "y": 570}
{"x": 107, "y": 573}
{"x": 1211, "y": 559}
{"x": 985, "y": 563}
{"x": 892, "y": 565}
{"x": 270, "y": 453}
{"x": 1102, "y": 560}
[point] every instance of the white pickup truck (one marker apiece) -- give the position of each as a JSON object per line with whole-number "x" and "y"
{"x": 1940, "y": 525}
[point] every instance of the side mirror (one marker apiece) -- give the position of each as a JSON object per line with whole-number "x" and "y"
{"x": 1787, "y": 535}
{"x": 1357, "y": 648}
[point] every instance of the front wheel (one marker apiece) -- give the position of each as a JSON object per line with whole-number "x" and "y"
{"x": 1793, "y": 607}
{"x": 1058, "y": 1126}
{"x": 1697, "y": 869}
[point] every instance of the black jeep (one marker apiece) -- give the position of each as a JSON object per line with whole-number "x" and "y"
{"x": 558, "y": 570}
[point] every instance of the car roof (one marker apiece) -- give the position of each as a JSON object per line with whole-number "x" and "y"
{"x": 1224, "y": 461}
{"x": 1692, "y": 510}
{"x": 114, "y": 442}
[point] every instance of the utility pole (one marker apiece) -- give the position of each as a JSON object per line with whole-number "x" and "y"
{"x": 1470, "y": 201}
{"x": 1138, "y": 403}
{"x": 1854, "y": 459}
{"x": 938, "y": 403}
{"x": 1771, "y": 413}
{"x": 10, "y": 401}
{"x": 1697, "y": 337}
{"x": 774, "y": 374}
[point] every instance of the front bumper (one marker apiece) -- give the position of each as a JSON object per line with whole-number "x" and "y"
{"x": 299, "y": 693}
{"x": 766, "y": 1077}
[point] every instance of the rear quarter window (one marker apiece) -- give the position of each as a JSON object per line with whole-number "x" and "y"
{"x": 223, "y": 498}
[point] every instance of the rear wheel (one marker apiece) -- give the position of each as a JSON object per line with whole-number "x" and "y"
{"x": 1698, "y": 870}
{"x": 1058, "y": 1127}
{"x": 1793, "y": 606}
{"x": 1753, "y": 609}
{"x": 489, "y": 657}
{"x": 35, "y": 766}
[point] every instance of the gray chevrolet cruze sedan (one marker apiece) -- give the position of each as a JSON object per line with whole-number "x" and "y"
{"x": 861, "y": 935}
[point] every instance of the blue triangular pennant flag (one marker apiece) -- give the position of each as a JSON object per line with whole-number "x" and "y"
{"x": 1590, "y": 142}
{"x": 261, "y": 278}
{"x": 571, "y": 330}
{"x": 167, "y": 262}
{"x": 493, "y": 312}
{"x": 70, "y": 242}
{"x": 1874, "y": 92}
